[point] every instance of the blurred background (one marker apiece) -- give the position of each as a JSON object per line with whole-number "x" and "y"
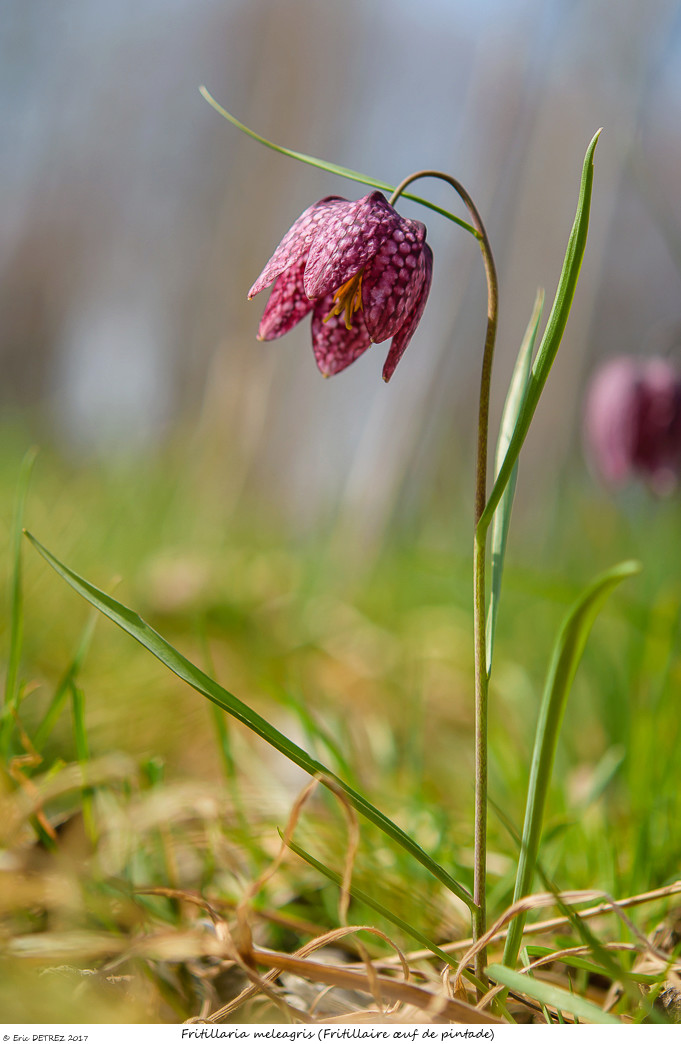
{"x": 134, "y": 220}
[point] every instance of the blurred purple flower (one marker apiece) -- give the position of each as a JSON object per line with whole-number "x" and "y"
{"x": 362, "y": 270}
{"x": 633, "y": 422}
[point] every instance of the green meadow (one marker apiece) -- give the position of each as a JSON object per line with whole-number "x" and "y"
{"x": 142, "y": 825}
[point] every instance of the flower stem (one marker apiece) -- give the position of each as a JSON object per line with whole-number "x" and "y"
{"x": 479, "y": 554}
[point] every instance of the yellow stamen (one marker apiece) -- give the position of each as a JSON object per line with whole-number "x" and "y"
{"x": 348, "y": 298}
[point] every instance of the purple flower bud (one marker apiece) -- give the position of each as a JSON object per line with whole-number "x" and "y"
{"x": 633, "y": 422}
{"x": 362, "y": 270}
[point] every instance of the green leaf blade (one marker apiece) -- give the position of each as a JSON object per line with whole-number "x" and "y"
{"x": 553, "y": 333}
{"x": 546, "y": 993}
{"x": 509, "y": 419}
{"x": 567, "y": 653}
{"x": 332, "y": 168}
{"x": 362, "y": 897}
{"x": 133, "y": 624}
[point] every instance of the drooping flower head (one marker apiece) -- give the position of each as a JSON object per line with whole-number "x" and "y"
{"x": 633, "y": 422}
{"x": 361, "y": 269}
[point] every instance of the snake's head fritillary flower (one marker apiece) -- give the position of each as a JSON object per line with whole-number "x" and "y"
{"x": 633, "y": 422}
{"x": 361, "y": 269}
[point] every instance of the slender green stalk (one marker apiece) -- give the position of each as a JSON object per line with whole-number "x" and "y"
{"x": 480, "y": 615}
{"x": 11, "y": 701}
{"x": 479, "y": 912}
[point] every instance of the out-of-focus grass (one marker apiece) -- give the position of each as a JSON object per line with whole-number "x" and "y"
{"x": 368, "y": 663}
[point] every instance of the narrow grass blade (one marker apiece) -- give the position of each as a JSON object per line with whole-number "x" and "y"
{"x": 16, "y": 616}
{"x": 79, "y": 729}
{"x": 566, "y": 656}
{"x": 315, "y": 733}
{"x": 509, "y": 420}
{"x": 607, "y": 962}
{"x": 218, "y": 715}
{"x": 553, "y": 333}
{"x": 135, "y": 626}
{"x": 373, "y": 904}
{"x": 223, "y": 737}
{"x": 589, "y": 966}
{"x": 64, "y": 685}
{"x": 545, "y": 993}
{"x": 362, "y": 897}
{"x": 332, "y": 168}
{"x": 525, "y": 958}
{"x": 82, "y": 753}
{"x": 224, "y": 743}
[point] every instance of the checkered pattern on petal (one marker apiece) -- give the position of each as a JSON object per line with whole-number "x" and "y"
{"x": 334, "y": 346}
{"x": 392, "y": 280}
{"x": 295, "y": 243}
{"x": 405, "y": 333}
{"x": 347, "y": 236}
{"x": 287, "y": 305}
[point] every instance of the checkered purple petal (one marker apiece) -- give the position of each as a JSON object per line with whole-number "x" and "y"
{"x": 347, "y": 236}
{"x": 406, "y": 332}
{"x": 288, "y": 304}
{"x": 296, "y": 242}
{"x": 334, "y": 346}
{"x": 392, "y": 280}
